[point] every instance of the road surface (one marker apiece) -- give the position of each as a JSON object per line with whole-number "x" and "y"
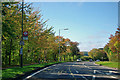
{"x": 75, "y": 71}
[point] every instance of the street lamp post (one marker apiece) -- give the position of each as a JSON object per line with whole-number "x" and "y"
{"x": 59, "y": 42}
{"x": 21, "y": 50}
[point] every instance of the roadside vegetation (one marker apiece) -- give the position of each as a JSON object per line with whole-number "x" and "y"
{"x": 42, "y": 45}
{"x": 108, "y": 64}
{"x": 15, "y": 71}
{"x": 98, "y": 54}
{"x": 112, "y": 48}
{"x": 110, "y": 53}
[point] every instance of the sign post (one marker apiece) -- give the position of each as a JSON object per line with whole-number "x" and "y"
{"x": 21, "y": 51}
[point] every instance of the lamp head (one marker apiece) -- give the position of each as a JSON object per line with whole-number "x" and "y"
{"x": 66, "y": 29}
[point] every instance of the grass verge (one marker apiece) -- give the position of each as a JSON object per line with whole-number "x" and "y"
{"x": 16, "y": 71}
{"x": 108, "y": 64}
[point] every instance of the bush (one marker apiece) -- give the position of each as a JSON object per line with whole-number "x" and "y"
{"x": 84, "y": 58}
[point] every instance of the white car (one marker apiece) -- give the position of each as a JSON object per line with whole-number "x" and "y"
{"x": 79, "y": 60}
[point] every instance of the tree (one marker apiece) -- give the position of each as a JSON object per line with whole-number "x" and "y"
{"x": 97, "y": 54}
{"x": 112, "y": 48}
{"x": 74, "y": 48}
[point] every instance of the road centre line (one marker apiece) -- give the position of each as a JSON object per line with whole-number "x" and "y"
{"x": 71, "y": 72}
{"x": 82, "y": 76}
{"x": 86, "y": 66}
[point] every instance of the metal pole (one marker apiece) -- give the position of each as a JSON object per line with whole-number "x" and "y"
{"x": 21, "y": 62}
{"x": 118, "y": 34}
{"x": 59, "y": 46}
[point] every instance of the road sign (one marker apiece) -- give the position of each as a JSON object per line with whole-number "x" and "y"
{"x": 25, "y": 33}
{"x": 21, "y": 42}
{"x": 21, "y": 51}
{"x": 25, "y": 38}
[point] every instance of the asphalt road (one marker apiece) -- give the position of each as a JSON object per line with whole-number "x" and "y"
{"x": 75, "y": 71}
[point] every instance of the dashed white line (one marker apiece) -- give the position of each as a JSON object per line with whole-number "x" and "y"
{"x": 84, "y": 77}
{"x": 77, "y": 72}
{"x": 94, "y": 71}
{"x": 110, "y": 72}
{"x": 93, "y": 77}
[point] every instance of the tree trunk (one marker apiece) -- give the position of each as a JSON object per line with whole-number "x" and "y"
{"x": 10, "y": 52}
{"x": 73, "y": 57}
{"x": 54, "y": 57}
{"x": 64, "y": 57}
{"x": 6, "y": 54}
{"x": 45, "y": 55}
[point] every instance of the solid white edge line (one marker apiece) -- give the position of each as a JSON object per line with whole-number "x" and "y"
{"x": 35, "y": 73}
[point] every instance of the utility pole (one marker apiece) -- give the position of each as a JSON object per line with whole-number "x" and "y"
{"x": 21, "y": 50}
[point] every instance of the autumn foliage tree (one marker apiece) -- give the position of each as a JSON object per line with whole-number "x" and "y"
{"x": 113, "y": 47}
{"x": 42, "y": 44}
{"x": 97, "y": 54}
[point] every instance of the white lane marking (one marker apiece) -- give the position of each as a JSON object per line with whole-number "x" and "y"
{"x": 77, "y": 72}
{"x": 113, "y": 72}
{"x": 35, "y": 73}
{"x": 86, "y": 66}
{"x": 81, "y": 74}
{"x": 94, "y": 71}
{"x": 113, "y": 77}
{"x": 93, "y": 78}
{"x": 84, "y": 77}
{"x": 99, "y": 72}
{"x": 106, "y": 74}
{"x": 110, "y": 72}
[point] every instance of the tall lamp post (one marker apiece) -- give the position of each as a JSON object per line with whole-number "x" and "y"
{"x": 21, "y": 50}
{"x": 59, "y": 42}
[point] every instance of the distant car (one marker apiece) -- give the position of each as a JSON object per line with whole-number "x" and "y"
{"x": 97, "y": 60}
{"x": 90, "y": 60}
{"x": 79, "y": 60}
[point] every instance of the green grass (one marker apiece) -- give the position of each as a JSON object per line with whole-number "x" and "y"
{"x": 108, "y": 64}
{"x": 13, "y": 72}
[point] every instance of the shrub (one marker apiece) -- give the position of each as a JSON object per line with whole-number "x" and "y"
{"x": 84, "y": 58}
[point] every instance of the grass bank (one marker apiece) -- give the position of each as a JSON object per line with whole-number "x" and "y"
{"x": 16, "y": 71}
{"x": 108, "y": 64}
